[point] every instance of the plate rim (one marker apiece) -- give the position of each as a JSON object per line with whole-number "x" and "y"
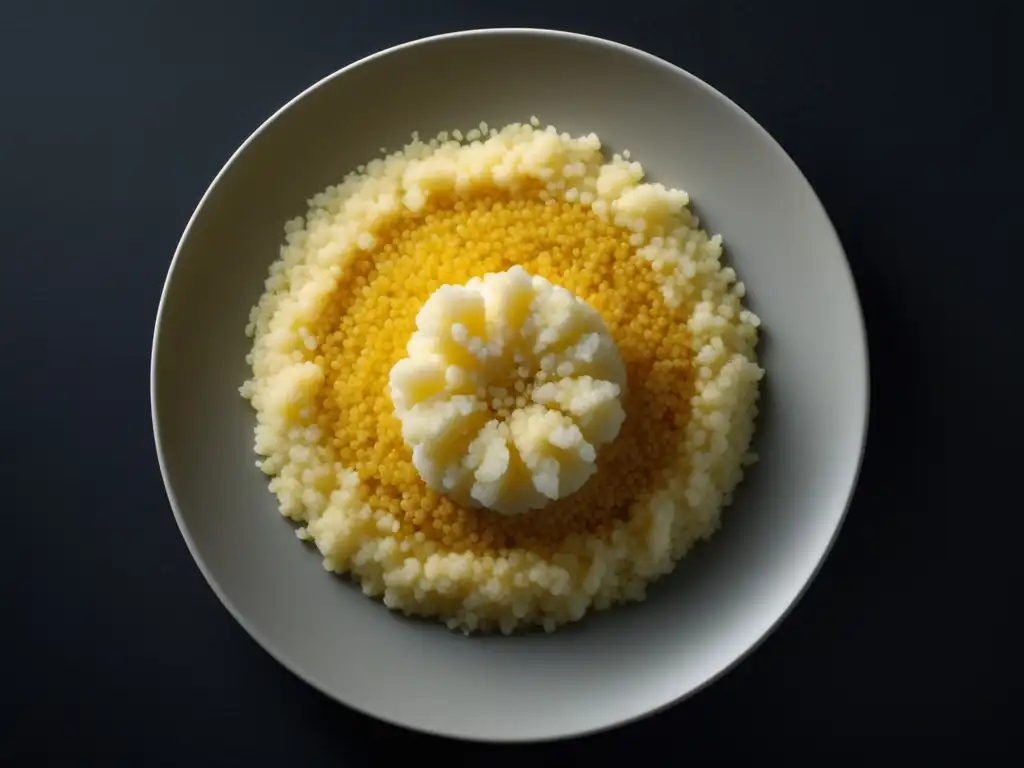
{"x": 295, "y": 667}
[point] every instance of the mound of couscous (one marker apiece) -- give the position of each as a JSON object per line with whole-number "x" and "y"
{"x": 501, "y": 381}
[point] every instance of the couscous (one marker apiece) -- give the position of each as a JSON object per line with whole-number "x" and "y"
{"x": 501, "y": 381}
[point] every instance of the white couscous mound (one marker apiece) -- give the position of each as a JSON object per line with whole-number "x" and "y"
{"x": 510, "y": 386}
{"x": 501, "y": 381}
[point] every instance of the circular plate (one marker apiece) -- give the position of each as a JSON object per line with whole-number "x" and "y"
{"x": 617, "y": 665}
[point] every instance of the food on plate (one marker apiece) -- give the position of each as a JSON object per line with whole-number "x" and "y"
{"x": 500, "y": 380}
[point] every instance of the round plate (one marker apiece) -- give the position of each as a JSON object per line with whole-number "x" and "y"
{"x": 614, "y": 666}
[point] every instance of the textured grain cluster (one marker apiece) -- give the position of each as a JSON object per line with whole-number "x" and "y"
{"x": 341, "y": 309}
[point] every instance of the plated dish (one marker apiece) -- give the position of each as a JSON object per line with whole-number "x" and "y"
{"x": 603, "y": 390}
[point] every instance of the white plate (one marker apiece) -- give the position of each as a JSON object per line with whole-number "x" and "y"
{"x": 615, "y": 666}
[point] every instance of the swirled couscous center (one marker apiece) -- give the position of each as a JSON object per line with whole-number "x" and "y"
{"x": 501, "y": 381}
{"x": 510, "y": 386}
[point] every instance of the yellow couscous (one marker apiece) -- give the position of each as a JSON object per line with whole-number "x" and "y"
{"x": 501, "y": 381}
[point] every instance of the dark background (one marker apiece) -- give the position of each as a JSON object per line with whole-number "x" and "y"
{"x": 114, "y": 118}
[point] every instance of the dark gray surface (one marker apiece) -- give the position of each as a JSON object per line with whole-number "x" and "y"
{"x": 115, "y": 118}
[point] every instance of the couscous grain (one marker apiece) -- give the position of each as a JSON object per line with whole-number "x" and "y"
{"x": 643, "y": 414}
